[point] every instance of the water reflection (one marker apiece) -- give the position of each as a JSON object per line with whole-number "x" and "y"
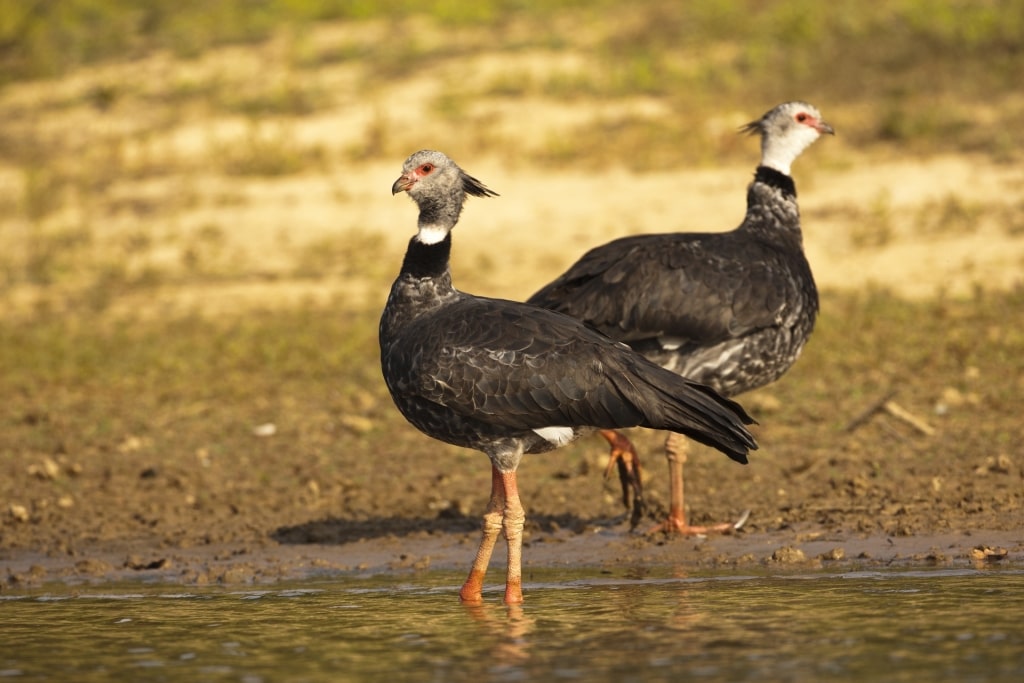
{"x": 941, "y": 625}
{"x": 508, "y": 627}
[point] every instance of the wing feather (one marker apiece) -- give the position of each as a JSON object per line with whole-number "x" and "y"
{"x": 689, "y": 287}
{"x": 514, "y": 366}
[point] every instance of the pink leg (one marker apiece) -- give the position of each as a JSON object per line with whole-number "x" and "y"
{"x": 512, "y": 525}
{"x": 473, "y": 587}
{"x": 675, "y": 452}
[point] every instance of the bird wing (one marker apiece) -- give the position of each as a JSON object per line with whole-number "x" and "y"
{"x": 699, "y": 288}
{"x": 514, "y": 366}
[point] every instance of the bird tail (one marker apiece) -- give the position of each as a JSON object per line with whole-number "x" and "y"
{"x": 696, "y": 410}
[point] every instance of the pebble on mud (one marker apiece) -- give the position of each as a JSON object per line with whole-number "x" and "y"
{"x": 952, "y": 398}
{"x": 832, "y": 555}
{"x": 934, "y": 556}
{"x": 984, "y": 553}
{"x": 357, "y": 424}
{"x": 788, "y": 555}
{"x": 265, "y": 430}
{"x": 131, "y": 444}
{"x": 47, "y": 470}
{"x": 93, "y": 566}
{"x": 238, "y": 574}
{"x": 18, "y": 512}
{"x": 33, "y": 576}
{"x": 995, "y": 464}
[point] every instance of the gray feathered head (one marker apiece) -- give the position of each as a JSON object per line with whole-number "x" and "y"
{"x": 786, "y": 131}
{"x": 439, "y": 187}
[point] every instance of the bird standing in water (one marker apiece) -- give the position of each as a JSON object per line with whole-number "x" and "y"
{"x": 507, "y": 378}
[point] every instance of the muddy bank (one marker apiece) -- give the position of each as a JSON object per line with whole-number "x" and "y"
{"x": 597, "y": 549}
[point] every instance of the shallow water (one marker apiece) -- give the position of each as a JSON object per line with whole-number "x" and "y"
{"x": 940, "y": 625}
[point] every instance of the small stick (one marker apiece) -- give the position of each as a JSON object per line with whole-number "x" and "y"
{"x": 866, "y": 414}
{"x": 885, "y": 403}
{"x": 900, "y": 413}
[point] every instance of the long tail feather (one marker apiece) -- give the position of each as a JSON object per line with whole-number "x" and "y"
{"x": 676, "y": 404}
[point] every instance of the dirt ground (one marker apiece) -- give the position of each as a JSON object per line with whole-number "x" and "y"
{"x": 315, "y": 493}
{"x": 824, "y": 491}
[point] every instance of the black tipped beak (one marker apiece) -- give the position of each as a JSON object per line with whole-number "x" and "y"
{"x": 824, "y": 128}
{"x": 403, "y": 183}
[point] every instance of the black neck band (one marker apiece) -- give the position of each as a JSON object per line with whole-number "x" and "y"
{"x": 773, "y": 178}
{"x": 427, "y": 260}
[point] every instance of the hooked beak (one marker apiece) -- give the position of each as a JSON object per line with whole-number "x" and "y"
{"x": 404, "y": 182}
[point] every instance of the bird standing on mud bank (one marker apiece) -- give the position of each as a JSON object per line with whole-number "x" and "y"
{"x": 732, "y": 310}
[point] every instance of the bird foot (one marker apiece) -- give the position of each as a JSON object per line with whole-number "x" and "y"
{"x": 676, "y": 525}
{"x": 472, "y": 590}
{"x": 623, "y": 456}
{"x": 513, "y": 593}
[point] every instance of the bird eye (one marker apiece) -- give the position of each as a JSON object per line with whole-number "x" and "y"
{"x": 801, "y": 117}
{"x": 426, "y": 168}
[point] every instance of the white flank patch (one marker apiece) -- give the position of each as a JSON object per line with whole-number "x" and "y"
{"x": 559, "y": 436}
{"x": 671, "y": 343}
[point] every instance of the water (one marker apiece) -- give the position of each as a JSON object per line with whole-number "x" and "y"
{"x": 943, "y": 625}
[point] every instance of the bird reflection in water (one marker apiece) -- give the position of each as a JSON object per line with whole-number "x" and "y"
{"x": 510, "y": 626}
{"x": 640, "y": 606}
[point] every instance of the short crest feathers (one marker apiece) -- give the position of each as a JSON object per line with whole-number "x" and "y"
{"x": 761, "y": 126}
{"x": 474, "y": 187}
{"x": 752, "y": 128}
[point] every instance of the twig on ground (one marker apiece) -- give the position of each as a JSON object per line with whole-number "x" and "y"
{"x": 888, "y": 405}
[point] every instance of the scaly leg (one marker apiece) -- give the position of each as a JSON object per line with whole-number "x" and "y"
{"x": 675, "y": 452}
{"x": 512, "y": 525}
{"x": 624, "y": 455}
{"x": 472, "y": 589}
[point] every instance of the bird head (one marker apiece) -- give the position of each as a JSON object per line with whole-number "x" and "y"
{"x": 786, "y": 131}
{"x": 439, "y": 187}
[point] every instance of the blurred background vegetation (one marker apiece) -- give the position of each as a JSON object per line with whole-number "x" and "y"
{"x": 924, "y": 72}
{"x": 137, "y": 133}
{"x": 139, "y": 138}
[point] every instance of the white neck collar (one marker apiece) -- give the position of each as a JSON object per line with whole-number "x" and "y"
{"x": 431, "y": 234}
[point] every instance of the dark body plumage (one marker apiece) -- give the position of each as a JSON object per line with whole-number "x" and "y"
{"x": 485, "y": 373}
{"x": 508, "y": 378}
{"x": 732, "y": 310}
